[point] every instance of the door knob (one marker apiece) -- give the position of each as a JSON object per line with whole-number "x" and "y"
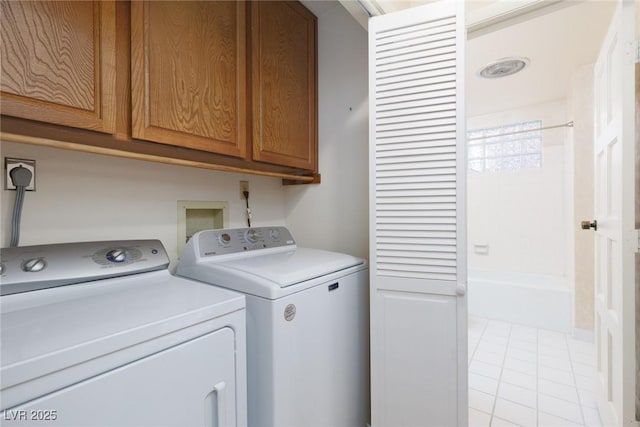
{"x": 589, "y": 224}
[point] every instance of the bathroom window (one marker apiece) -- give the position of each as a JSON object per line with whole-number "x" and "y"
{"x": 504, "y": 148}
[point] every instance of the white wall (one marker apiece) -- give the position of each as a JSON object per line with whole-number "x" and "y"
{"x": 522, "y": 215}
{"x": 581, "y": 106}
{"x": 334, "y": 214}
{"x": 82, "y": 197}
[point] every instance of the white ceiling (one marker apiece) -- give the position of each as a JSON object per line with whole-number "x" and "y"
{"x": 558, "y": 40}
{"x": 556, "y": 43}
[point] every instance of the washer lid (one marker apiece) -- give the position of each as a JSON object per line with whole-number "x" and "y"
{"x": 291, "y": 267}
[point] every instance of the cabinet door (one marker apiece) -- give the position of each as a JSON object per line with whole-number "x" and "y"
{"x": 284, "y": 84}
{"x": 188, "y": 83}
{"x": 58, "y": 62}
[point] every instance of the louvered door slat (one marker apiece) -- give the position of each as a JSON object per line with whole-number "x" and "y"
{"x": 432, "y": 139}
{"x": 409, "y": 33}
{"x": 421, "y": 94}
{"x": 442, "y": 76}
{"x": 394, "y": 175}
{"x": 434, "y": 213}
{"x": 422, "y": 97}
{"x": 445, "y": 61}
{"x": 439, "y": 105}
{"x": 402, "y": 150}
{"x": 416, "y": 207}
{"x": 418, "y": 54}
{"x": 405, "y": 117}
{"x": 439, "y": 42}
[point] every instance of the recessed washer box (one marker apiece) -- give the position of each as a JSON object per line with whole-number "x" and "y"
{"x": 194, "y": 216}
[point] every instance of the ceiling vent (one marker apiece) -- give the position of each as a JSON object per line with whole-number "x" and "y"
{"x": 503, "y": 67}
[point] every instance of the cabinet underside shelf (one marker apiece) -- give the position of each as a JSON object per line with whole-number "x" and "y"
{"x": 47, "y": 135}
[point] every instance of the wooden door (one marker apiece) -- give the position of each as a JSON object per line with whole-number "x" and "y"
{"x": 614, "y": 198}
{"x": 58, "y": 62}
{"x": 418, "y": 217}
{"x": 188, "y": 83}
{"x": 283, "y": 35}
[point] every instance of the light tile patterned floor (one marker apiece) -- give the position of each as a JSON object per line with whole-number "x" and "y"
{"x": 523, "y": 376}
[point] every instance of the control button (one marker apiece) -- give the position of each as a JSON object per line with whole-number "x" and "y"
{"x": 251, "y": 235}
{"x": 34, "y": 265}
{"x": 1, "y": 268}
{"x": 154, "y": 251}
{"x": 224, "y": 238}
{"x": 274, "y": 234}
{"x": 117, "y": 255}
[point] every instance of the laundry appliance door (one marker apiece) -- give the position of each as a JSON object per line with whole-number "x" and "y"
{"x": 191, "y": 384}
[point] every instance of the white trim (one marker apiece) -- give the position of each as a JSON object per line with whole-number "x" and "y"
{"x": 461, "y": 220}
{"x": 503, "y": 13}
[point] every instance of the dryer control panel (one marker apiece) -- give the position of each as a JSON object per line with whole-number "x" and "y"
{"x": 235, "y": 240}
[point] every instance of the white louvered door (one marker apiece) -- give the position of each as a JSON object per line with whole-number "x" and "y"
{"x": 417, "y": 217}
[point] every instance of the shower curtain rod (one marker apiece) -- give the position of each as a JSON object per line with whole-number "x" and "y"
{"x": 564, "y": 125}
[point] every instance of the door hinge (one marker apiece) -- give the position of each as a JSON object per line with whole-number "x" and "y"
{"x": 632, "y": 52}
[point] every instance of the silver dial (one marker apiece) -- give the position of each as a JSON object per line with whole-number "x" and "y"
{"x": 224, "y": 238}
{"x": 274, "y": 234}
{"x": 251, "y": 235}
{"x": 1, "y": 268}
{"x": 34, "y": 265}
{"x": 117, "y": 255}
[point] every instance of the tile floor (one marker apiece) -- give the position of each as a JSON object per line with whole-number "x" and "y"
{"x": 523, "y": 376}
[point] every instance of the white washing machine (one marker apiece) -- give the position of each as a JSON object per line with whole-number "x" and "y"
{"x": 101, "y": 334}
{"x": 307, "y": 324}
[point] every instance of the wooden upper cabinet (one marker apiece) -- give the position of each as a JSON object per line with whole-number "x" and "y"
{"x": 58, "y": 62}
{"x": 283, "y": 36}
{"x": 188, "y": 82}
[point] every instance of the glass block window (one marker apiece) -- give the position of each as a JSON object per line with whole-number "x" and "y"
{"x": 503, "y": 148}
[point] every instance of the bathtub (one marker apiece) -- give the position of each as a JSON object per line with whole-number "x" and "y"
{"x": 528, "y": 299}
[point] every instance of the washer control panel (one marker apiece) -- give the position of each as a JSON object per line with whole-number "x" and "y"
{"x": 29, "y": 268}
{"x": 234, "y": 240}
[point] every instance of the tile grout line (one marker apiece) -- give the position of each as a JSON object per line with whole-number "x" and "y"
{"x": 537, "y": 377}
{"x": 504, "y": 358}
{"x": 484, "y": 329}
{"x": 575, "y": 383}
{"x": 475, "y": 348}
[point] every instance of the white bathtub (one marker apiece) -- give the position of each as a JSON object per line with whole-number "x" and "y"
{"x": 528, "y": 299}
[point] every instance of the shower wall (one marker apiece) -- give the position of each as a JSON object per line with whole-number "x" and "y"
{"x": 521, "y": 216}
{"x": 520, "y": 247}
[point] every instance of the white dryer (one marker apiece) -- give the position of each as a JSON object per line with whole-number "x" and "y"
{"x": 101, "y": 334}
{"x": 307, "y": 324}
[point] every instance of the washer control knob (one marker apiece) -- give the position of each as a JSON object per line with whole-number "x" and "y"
{"x": 1, "y": 268}
{"x": 251, "y": 235}
{"x": 117, "y": 255}
{"x": 224, "y": 238}
{"x": 34, "y": 265}
{"x": 274, "y": 234}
